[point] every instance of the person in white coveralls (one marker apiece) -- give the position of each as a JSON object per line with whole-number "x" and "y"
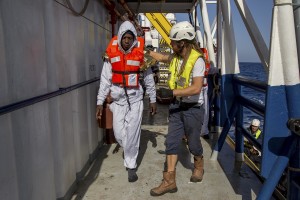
{"x": 121, "y": 77}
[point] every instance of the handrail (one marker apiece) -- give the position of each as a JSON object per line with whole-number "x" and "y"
{"x": 254, "y": 84}
{"x": 252, "y": 105}
{"x": 21, "y": 104}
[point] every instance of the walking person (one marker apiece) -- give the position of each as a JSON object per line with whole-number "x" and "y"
{"x": 121, "y": 78}
{"x": 186, "y": 72}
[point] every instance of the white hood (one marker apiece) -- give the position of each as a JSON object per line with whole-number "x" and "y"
{"x": 126, "y": 26}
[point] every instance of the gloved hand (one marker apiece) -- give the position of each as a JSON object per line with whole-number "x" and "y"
{"x": 148, "y": 60}
{"x": 149, "y": 48}
{"x": 254, "y": 152}
{"x": 166, "y": 93}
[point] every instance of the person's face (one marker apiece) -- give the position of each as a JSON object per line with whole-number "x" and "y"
{"x": 254, "y": 128}
{"x": 177, "y": 46}
{"x": 127, "y": 41}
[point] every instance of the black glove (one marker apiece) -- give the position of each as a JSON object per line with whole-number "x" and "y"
{"x": 147, "y": 50}
{"x": 149, "y": 47}
{"x": 165, "y": 93}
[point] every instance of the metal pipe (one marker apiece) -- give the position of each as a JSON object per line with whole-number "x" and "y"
{"x": 197, "y": 26}
{"x": 110, "y": 5}
{"x": 132, "y": 17}
{"x": 28, "y": 102}
{"x": 277, "y": 170}
{"x": 125, "y": 6}
{"x": 207, "y": 34}
{"x": 113, "y": 13}
{"x": 113, "y": 20}
{"x": 227, "y": 124}
{"x": 219, "y": 35}
{"x": 296, "y": 9}
{"x": 284, "y": 85}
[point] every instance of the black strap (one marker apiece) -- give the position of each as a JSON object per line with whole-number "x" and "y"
{"x": 125, "y": 72}
{"x": 125, "y": 90}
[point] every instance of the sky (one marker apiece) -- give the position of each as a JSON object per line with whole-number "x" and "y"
{"x": 262, "y": 13}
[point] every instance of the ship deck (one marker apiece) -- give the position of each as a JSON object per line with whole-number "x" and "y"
{"x": 223, "y": 179}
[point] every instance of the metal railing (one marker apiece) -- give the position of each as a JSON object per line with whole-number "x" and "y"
{"x": 21, "y": 104}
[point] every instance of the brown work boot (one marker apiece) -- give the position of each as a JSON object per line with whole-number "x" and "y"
{"x": 168, "y": 185}
{"x": 198, "y": 169}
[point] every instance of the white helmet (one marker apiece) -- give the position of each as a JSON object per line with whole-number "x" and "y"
{"x": 182, "y": 30}
{"x": 255, "y": 122}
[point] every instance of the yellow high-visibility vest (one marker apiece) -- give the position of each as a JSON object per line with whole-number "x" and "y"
{"x": 257, "y": 134}
{"x": 183, "y": 80}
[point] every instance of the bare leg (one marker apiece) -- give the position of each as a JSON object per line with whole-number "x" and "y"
{"x": 172, "y": 160}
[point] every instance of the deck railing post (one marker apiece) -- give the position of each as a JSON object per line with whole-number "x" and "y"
{"x": 239, "y": 138}
{"x": 296, "y": 6}
{"x": 277, "y": 170}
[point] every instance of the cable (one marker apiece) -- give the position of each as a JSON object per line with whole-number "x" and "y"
{"x": 216, "y": 88}
{"x": 74, "y": 11}
{"x": 85, "y": 17}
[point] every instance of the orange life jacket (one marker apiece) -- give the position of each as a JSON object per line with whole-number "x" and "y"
{"x": 125, "y": 67}
{"x": 207, "y": 65}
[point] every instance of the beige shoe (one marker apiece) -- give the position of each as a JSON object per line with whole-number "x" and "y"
{"x": 168, "y": 185}
{"x": 198, "y": 172}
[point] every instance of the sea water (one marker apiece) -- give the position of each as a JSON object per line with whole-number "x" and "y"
{"x": 254, "y": 71}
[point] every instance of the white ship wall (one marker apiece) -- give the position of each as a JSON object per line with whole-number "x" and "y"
{"x": 45, "y": 147}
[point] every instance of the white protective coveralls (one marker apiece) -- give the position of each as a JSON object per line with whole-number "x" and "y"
{"x": 126, "y": 122}
{"x": 205, "y": 130}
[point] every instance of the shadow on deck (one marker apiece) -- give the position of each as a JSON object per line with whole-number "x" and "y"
{"x": 107, "y": 177}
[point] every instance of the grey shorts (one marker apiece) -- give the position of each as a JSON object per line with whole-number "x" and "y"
{"x": 185, "y": 119}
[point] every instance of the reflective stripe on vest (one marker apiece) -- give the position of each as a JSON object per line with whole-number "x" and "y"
{"x": 115, "y": 59}
{"x": 125, "y": 67}
{"x": 133, "y": 63}
{"x": 183, "y": 80}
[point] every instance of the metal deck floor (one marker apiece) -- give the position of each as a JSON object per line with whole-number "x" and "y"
{"x": 107, "y": 177}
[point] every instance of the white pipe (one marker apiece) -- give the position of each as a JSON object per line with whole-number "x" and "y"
{"x": 283, "y": 50}
{"x": 214, "y": 28}
{"x": 207, "y": 33}
{"x": 198, "y": 32}
{"x": 219, "y": 36}
{"x": 229, "y": 50}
